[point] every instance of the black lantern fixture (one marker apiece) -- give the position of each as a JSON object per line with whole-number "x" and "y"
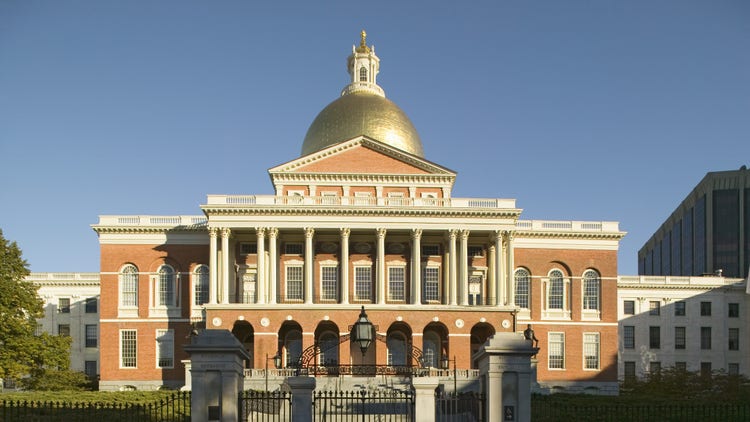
{"x": 362, "y": 332}
{"x": 277, "y": 361}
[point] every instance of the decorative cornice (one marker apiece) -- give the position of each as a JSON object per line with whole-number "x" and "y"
{"x": 569, "y": 235}
{"x": 363, "y": 211}
{"x": 149, "y": 229}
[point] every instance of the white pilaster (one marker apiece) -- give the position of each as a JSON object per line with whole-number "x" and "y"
{"x": 381, "y": 266}
{"x": 345, "y": 232}
{"x": 225, "y": 233}
{"x": 416, "y": 266}
{"x": 510, "y": 282}
{"x": 273, "y": 264}
{"x": 213, "y": 267}
{"x": 463, "y": 269}
{"x": 499, "y": 268}
{"x": 491, "y": 275}
{"x": 261, "y": 279}
{"x": 452, "y": 266}
{"x": 309, "y": 262}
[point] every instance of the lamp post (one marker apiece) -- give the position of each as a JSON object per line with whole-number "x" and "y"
{"x": 276, "y": 363}
{"x": 445, "y": 363}
{"x": 362, "y": 332}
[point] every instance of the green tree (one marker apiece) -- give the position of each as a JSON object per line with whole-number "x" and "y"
{"x": 21, "y": 351}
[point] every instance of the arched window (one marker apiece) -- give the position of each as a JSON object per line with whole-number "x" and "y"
{"x": 293, "y": 347}
{"x": 329, "y": 349}
{"x": 200, "y": 284}
{"x": 556, "y": 290}
{"x": 523, "y": 287}
{"x": 591, "y": 282}
{"x": 363, "y": 74}
{"x": 166, "y": 286}
{"x": 129, "y": 286}
{"x": 396, "y": 343}
{"x": 431, "y": 350}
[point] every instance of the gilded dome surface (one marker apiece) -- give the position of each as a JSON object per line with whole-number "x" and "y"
{"x": 362, "y": 113}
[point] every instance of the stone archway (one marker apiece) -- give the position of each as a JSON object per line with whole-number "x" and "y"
{"x": 245, "y": 333}
{"x": 479, "y": 335}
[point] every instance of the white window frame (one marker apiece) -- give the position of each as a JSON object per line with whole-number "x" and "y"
{"x": 395, "y": 199}
{"x": 164, "y": 344}
{"x": 128, "y": 298}
{"x": 329, "y": 197}
{"x": 357, "y": 290}
{"x": 588, "y": 312}
{"x": 132, "y": 339}
{"x": 325, "y": 292}
{"x": 476, "y": 298}
{"x": 525, "y": 312}
{"x": 591, "y": 349}
{"x": 395, "y": 286}
{"x": 556, "y": 313}
{"x": 163, "y": 306}
{"x": 555, "y": 339}
{"x": 362, "y": 198}
{"x": 299, "y": 284}
{"x": 201, "y": 281}
{"x": 426, "y": 283}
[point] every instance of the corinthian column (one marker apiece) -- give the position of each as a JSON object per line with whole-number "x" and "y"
{"x": 463, "y": 269}
{"x": 345, "y": 232}
{"x": 273, "y": 233}
{"x": 309, "y": 262}
{"x": 225, "y": 233}
{"x": 381, "y": 266}
{"x": 212, "y": 266}
{"x": 499, "y": 269}
{"x": 260, "y": 233}
{"x": 416, "y": 266}
{"x": 511, "y": 289}
{"x": 452, "y": 266}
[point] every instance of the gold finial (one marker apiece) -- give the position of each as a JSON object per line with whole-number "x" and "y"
{"x": 363, "y": 43}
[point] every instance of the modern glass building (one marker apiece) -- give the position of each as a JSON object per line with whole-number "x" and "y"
{"x": 709, "y": 232}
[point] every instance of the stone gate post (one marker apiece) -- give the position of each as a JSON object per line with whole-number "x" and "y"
{"x": 217, "y": 376}
{"x": 506, "y": 377}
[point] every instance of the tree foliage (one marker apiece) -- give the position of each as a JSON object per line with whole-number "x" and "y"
{"x": 679, "y": 385}
{"x": 57, "y": 380}
{"x": 21, "y": 351}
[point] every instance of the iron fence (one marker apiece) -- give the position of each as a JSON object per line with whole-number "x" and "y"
{"x": 363, "y": 405}
{"x": 459, "y": 407}
{"x": 175, "y": 408}
{"x": 265, "y": 406}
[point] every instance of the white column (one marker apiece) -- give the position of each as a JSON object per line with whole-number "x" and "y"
{"x": 463, "y": 269}
{"x": 225, "y": 233}
{"x": 510, "y": 282}
{"x": 381, "y": 266}
{"x": 213, "y": 267}
{"x": 499, "y": 268}
{"x": 260, "y": 277}
{"x": 309, "y": 263}
{"x": 416, "y": 266}
{"x": 452, "y": 266}
{"x": 345, "y": 232}
{"x": 273, "y": 263}
{"x": 492, "y": 275}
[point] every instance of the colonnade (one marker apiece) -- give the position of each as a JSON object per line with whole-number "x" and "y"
{"x": 455, "y": 268}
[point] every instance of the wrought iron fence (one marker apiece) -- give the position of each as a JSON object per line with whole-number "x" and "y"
{"x": 459, "y": 407}
{"x": 271, "y": 406}
{"x": 363, "y": 405}
{"x": 175, "y": 408}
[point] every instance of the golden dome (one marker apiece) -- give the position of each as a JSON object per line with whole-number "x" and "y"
{"x": 362, "y": 113}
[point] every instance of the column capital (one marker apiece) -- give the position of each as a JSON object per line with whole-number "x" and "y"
{"x": 345, "y": 232}
{"x": 260, "y": 231}
{"x": 416, "y": 233}
{"x": 452, "y": 234}
{"x": 381, "y": 233}
{"x": 272, "y": 232}
{"x": 225, "y": 232}
{"x": 509, "y": 235}
{"x": 309, "y": 232}
{"x": 497, "y": 235}
{"x": 213, "y": 232}
{"x": 465, "y": 234}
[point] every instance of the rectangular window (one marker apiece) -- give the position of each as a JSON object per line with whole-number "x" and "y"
{"x": 128, "y": 348}
{"x": 362, "y": 283}
{"x": 733, "y": 310}
{"x": 430, "y": 250}
{"x": 129, "y": 285}
{"x": 679, "y": 308}
{"x": 629, "y": 370}
{"x": 679, "y": 337}
{"x": 91, "y": 305}
{"x": 654, "y": 307}
{"x": 248, "y": 248}
{"x": 165, "y": 348}
{"x": 63, "y": 305}
{"x": 89, "y": 367}
{"x": 734, "y": 339}
{"x": 654, "y": 367}
{"x": 705, "y": 308}
{"x": 680, "y": 366}
{"x": 556, "y": 352}
{"x": 294, "y": 282}
{"x": 91, "y": 335}
{"x": 475, "y": 251}
{"x": 591, "y": 351}
{"x": 628, "y": 336}
{"x": 294, "y": 249}
{"x": 63, "y": 330}
{"x": 733, "y": 368}
{"x": 628, "y": 307}
{"x": 654, "y": 337}
{"x": 396, "y": 281}
{"x": 329, "y": 279}
{"x": 706, "y": 338}
{"x": 431, "y": 280}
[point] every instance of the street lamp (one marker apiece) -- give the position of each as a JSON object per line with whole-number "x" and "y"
{"x": 445, "y": 363}
{"x": 362, "y": 332}
{"x": 276, "y": 362}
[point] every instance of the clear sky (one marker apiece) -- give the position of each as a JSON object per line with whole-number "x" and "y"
{"x": 581, "y": 110}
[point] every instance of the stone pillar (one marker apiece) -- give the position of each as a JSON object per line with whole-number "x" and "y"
{"x": 225, "y": 233}
{"x": 273, "y": 264}
{"x": 506, "y": 376}
{"x": 260, "y": 277}
{"x": 213, "y": 267}
{"x": 491, "y": 276}
{"x": 416, "y": 266}
{"x": 381, "y": 267}
{"x": 302, "y": 391}
{"x": 345, "y": 232}
{"x": 217, "y": 376}
{"x": 424, "y": 398}
{"x": 453, "y": 284}
{"x": 510, "y": 279}
{"x": 309, "y": 263}
{"x": 464, "y": 269}
{"x": 499, "y": 268}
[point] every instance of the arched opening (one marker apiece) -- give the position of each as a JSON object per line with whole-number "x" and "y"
{"x": 479, "y": 335}
{"x": 434, "y": 344}
{"x": 290, "y": 343}
{"x": 398, "y": 345}
{"x": 327, "y": 339}
{"x": 245, "y": 333}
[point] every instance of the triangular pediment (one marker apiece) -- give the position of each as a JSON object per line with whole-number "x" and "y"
{"x": 362, "y": 155}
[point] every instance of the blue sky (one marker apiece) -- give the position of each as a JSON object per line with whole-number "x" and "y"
{"x": 581, "y": 110}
